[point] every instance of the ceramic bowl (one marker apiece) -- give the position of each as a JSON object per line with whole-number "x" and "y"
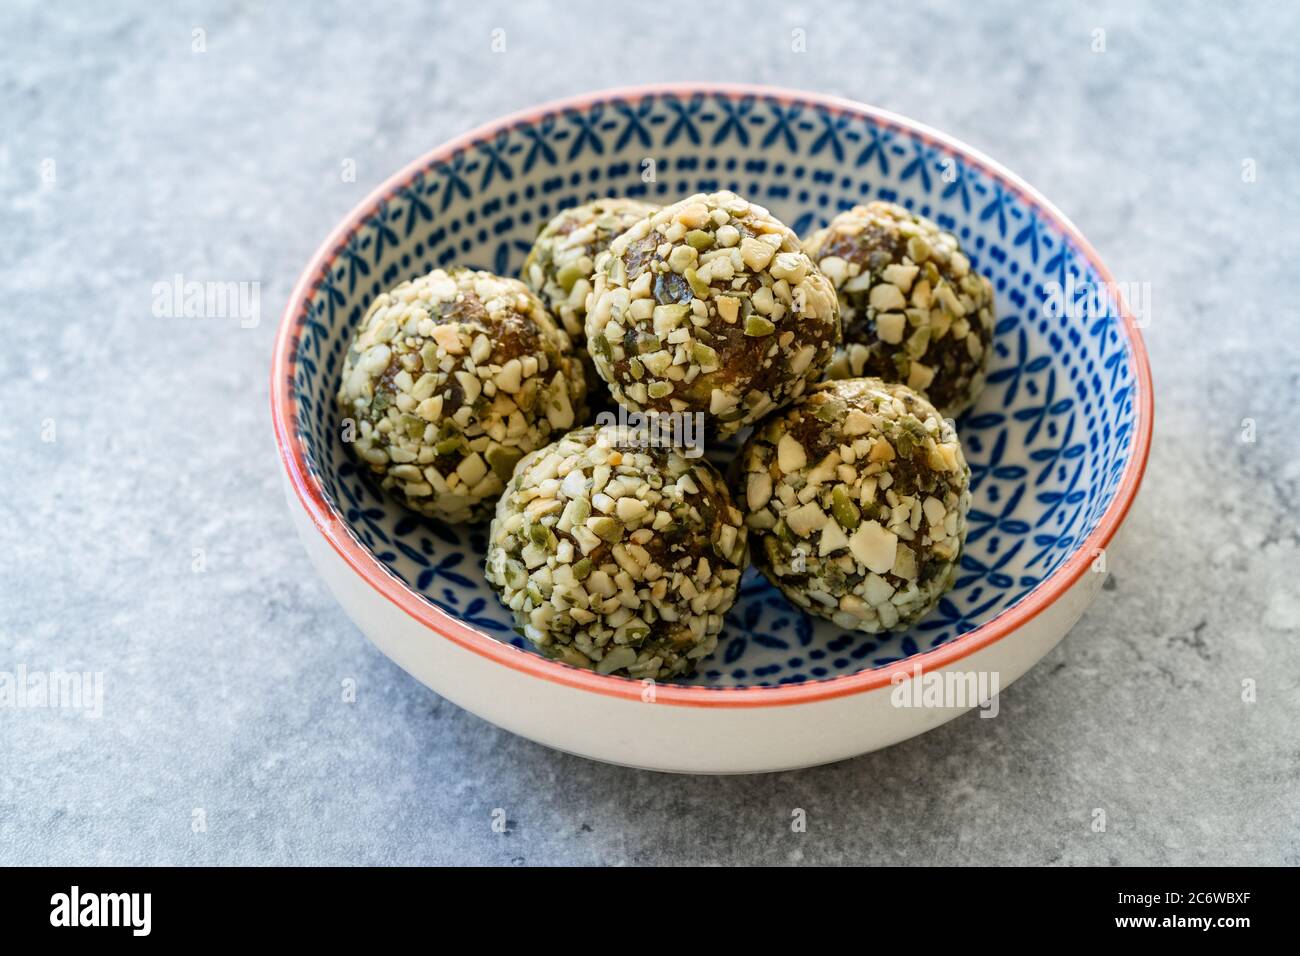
{"x": 1057, "y": 443}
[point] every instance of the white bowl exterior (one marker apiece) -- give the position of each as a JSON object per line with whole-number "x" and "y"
{"x": 664, "y": 736}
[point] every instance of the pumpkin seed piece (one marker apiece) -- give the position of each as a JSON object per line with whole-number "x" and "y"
{"x": 698, "y": 286}
{"x": 843, "y": 508}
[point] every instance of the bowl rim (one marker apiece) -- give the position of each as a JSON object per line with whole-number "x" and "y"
{"x": 331, "y": 525}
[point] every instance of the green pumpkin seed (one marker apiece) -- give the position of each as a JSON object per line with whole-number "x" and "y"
{"x": 843, "y": 508}
{"x": 648, "y": 341}
{"x": 704, "y": 356}
{"x": 541, "y": 536}
{"x": 414, "y": 427}
{"x": 581, "y": 510}
{"x": 699, "y": 240}
{"x": 503, "y": 460}
{"x": 607, "y": 529}
{"x": 832, "y": 410}
{"x": 698, "y": 286}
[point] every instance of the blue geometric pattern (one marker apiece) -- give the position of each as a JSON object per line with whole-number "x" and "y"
{"x": 1047, "y": 443}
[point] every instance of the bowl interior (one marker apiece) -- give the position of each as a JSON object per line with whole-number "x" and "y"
{"x": 1047, "y": 442}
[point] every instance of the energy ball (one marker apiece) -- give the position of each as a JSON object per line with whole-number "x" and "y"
{"x": 622, "y": 560}
{"x": 450, "y": 380}
{"x": 710, "y": 306}
{"x": 857, "y": 499}
{"x": 562, "y": 260}
{"x": 913, "y": 310}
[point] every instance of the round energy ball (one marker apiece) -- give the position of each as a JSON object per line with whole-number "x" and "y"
{"x": 913, "y": 311}
{"x": 856, "y": 499}
{"x": 451, "y": 379}
{"x": 710, "y": 306}
{"x": 619, "y": 559}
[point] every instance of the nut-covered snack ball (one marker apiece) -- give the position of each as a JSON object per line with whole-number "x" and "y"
{"x": 710, "y": 306}
{"x": 450, "y": 380}
{"x": 913, "y": 310}
{"x": 856, "y": 501}
{"x": 623, "y": 560}
{"x": 562, "y": 260}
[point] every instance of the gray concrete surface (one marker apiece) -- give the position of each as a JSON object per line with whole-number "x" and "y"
{"x": 127, "y": 157}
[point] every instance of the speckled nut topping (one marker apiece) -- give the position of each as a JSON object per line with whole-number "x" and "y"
{"x": 451, "y": 379}
{"x": 913, "y": 310}
{"x": 857, "y": 499}
{"x": 710, "y": 306}
{"x": 624, "y": 561}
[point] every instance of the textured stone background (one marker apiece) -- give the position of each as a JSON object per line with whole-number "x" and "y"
{"x": 222, "y": 687}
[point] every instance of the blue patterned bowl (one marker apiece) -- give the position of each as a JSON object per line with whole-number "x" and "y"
{"x": 1057, "y": 443}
